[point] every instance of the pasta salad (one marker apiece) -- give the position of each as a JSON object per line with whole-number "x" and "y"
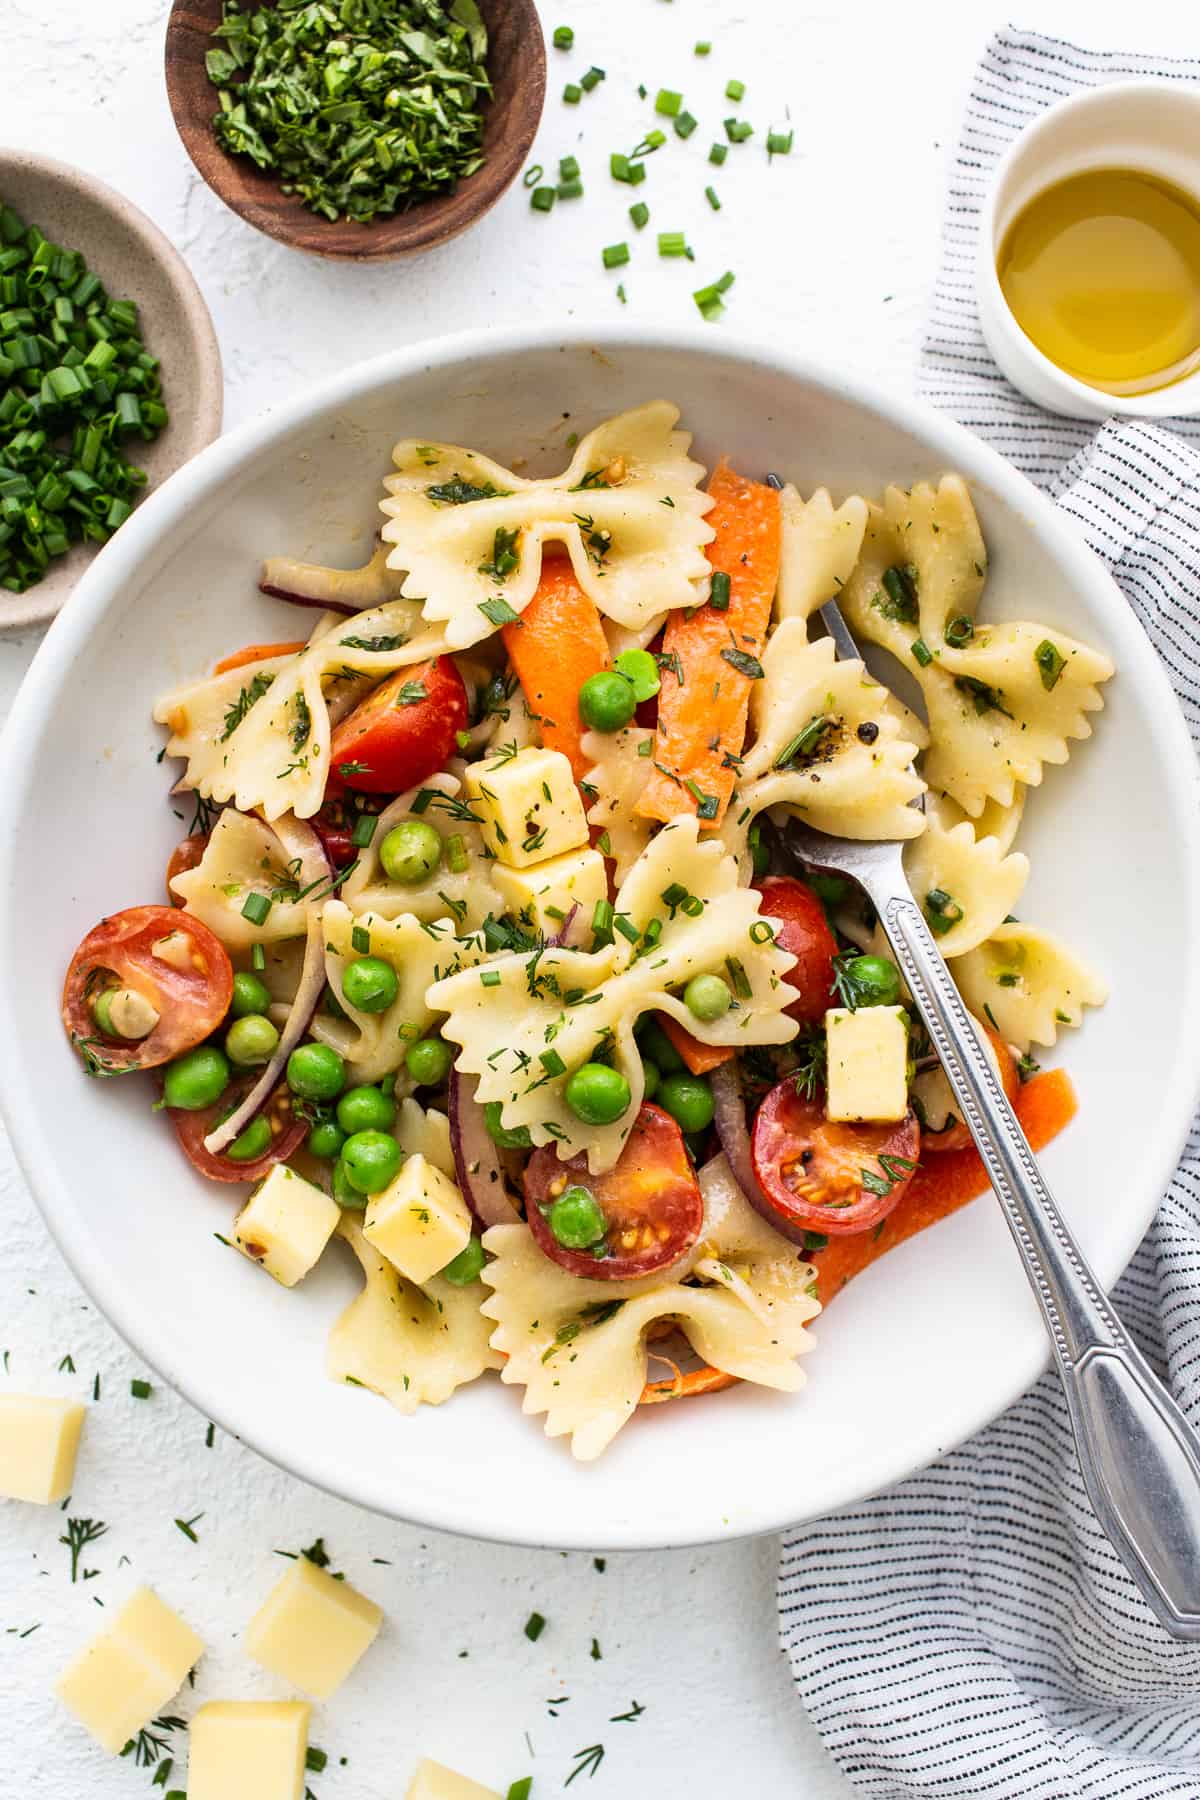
{"x": 487, "y": 953}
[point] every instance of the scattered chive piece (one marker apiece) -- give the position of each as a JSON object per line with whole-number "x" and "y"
{"x": 718, "y": 153}
{"x": 622, "y": 296}
{"x": 615, "y": 255}
{"x": 779, "y": 143}
{"x": 622, "y": 169}
{"x": 496, "y": 611}
{"x": 542, "y": 199}
{"x": 735, "y": 90}
{"x": 141, "y": 1390}
{"x": 564, "y": 37}
{"x": 364, "y": 830}
{"x": 718, "y": 591}
{"x": 685, "y": 124}
{"x": 653, "y": 140}
{"x": 703, "y": 47}
{"x": 922, "y": 652}
{"x": 572, "y": 94}
{"x": 534, "y": 1627}
{"x": 672, "y": 243}
{"x": 708, "y": 299}
{"x": 315, "y": 1760}
{"x": 532, "y": 175}
{"x": 668, "y": 102}
{"x": 738, "y": 130}
{"x": 591, "y": 79}
{"x": 568, "y": 168}
{"x": 258, "y": 958}
{"x": 639, "y": 212}
{"x": 570, "y": 190}
{"x": 255, "y": 907}
{"x": 710, "y": 194}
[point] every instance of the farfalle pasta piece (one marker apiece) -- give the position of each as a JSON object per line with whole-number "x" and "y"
{"x": 819, "y": 547}
{"x": 966, "y": 885}
{"x": 526, "y": 1022}
{"x": 423, "y": 1131}
{"x": 1027, "y": 983}
{"x": 619, "y": 761}
{"x": 419, "y": 950}
{"x": 243, "y": 857}
{"x": 276, "y": 757}
{"x": 367, "y": 586}
{"x": 460, "y": 885}
{"x": 414, "y": 1345}
{"x": 628, "y": 509}
{"x": 578, "y": 1347}
{"x": 829, "y": 743}
{"x": 995, "y": 821}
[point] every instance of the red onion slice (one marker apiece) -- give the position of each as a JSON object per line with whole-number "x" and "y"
{"x": 309, "y": 600}
{"x": 729, "y": 1119}
{"x": 303, "y": 847}
{"x": 477, "y": 1159}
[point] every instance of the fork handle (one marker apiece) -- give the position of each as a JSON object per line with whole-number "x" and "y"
{"x": 1139, "y": 1457}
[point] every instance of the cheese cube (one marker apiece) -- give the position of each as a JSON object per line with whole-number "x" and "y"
{"x": 434, "y": 1781}
{"x": 867, "y": 1054}
{"x": 285, "y": 1225}
{"x": 248, "y": 1750}
{"x": 529, "y": 806}
{"x": 420, "y": 1221}
{"x": 38, "y": 1440}
{"x": 542, "y": 896}
{"x": 125, "y": 1677}
{"x": 311, "y": 1629}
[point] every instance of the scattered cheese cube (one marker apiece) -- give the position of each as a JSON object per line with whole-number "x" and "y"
{"x": 125, "y": 1677}
{"x": 867, "y": 1054}
{"x": 434, "y": 1781}
{"x": 542, "y": 896}
{"x": 285, "y": 1225}
{"x": 420, "y": 1221}
{"x": 529, "y": 806}
{"x": 311, "y": 1630}
{"x": 248, "y": 1750}
{"x": 38, "y": 1440}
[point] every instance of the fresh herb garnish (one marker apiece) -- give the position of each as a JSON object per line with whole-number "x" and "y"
{"x": 393, "y": 641}
{"x": 589, "y": 1760}
{"x": 807, "y": 745}
{"x": 504, "y": 558}
{"x": 892, "y": 1170}
{"x": 78, "y": 1535}
{"x": 900, "y": 588}
{"x": 411, "y": 693}
{"x": 744, "y": 663}
{"x": 497, "y": 611}
{"x": 987, "y": 699}
{"x": 458, "y": 491}
{"x": 253, "y": 691}
{"x": 1050, "y": 663}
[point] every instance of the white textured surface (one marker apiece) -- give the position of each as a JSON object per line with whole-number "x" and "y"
{"x": 834, "y": 248}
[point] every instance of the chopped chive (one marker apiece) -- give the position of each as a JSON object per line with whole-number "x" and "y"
{"x": 738, "y": 130}
{"x": 572, "y": 94}
{"x": 535, "y": 1624}
{"x": 542, "y": 199}
{"x": 489, "y": 978}
{"x": 703, "y": 48}
{"x": 685, "y": 124}
{"x": 653, "y": 140}
{"x": 718, "y": 153}
{"x": 672, "y": 243}
{"x": 568, "y": 168}
{"x": 364, "y": 830}
{"x": 622, "y": 296}
{"x": 735, "y": 90}
{"x": 591, "y": 79}
{"x": 255, "y": 907}
{"x": 622, "y": 169}
{"x": 922, "y": 652}
{"x": 360, "y": 940}
{"x": 457, "y": 860}
{"x": 614, "y": 255}
{"x": 718, "y": 591}
{"x": 564, "y": 37}
{"x": 710, "y": 194}
{"x": 533, "y": 175}
{"x": 570, "y": 190}
{"x": 496, "y": 611}
{"x": 258, "y": 958}
{"x": 779, "y": 143}
{"x": 602, "y": 920}
{"x": 141, "y": 1390}
{"x": 668, "y": 102}
{"x": 639, "y": 212}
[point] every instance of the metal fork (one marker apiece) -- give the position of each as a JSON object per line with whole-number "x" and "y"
{"x": 1139, "y": 1457}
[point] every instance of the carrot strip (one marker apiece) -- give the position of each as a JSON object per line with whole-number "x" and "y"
{"x": 700, "y": 1058}
{"x": 557, "y": 643}
{"x": 705, "y": 698}
{"x": 256, "y": 653}
{"x": 943, "y": 1184}
{"x": 680, "y": 1387}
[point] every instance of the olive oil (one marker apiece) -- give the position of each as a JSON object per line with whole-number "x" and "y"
{"x": 1102, "y": 272}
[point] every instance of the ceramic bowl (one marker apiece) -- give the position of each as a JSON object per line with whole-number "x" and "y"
{"x": 920, "y": 1351}
{"x": 136, "y": 262}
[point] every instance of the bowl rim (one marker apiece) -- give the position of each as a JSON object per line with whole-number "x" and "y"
{"x": 101, "y": 586}
{"x": 206, "y": 408}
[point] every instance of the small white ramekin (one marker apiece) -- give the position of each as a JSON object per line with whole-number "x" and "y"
{"x": 1153, "y": 126}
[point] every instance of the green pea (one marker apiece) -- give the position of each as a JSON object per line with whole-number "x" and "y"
{"x": 251, "y": 1042}
{"x": 252, "y": 1143}
{"x": 876, "y": 979}
{"x": 371, "y": 1159}
{"x": 651, "y": 1076}
{"x": 689, "y": 1101}
{"x": 250, "y": 995}
{"x": 428, "y": 1061}
{"x": 640, "y": 671}
{"x": 325, "y": 1140}
{"x": 195, "y": 1080}
{"x": 344, "y": 1190}
{"x": 655, "y": 1044}
{"x": 577, "y": 1220}
{"x": 466, "y": 1266}
{"x": 370, "y": 984}
{"x": 831, "y": 889}
{"x": 316, "y": 1072}
{"x": 410, "y": 852}
{"x": 707, "y": 997}
{"x": 597, "y": 1094}
{"x": 518, "y": 1138}
{"x": 606, "y": 701}
{"x": 366, "y": 1109}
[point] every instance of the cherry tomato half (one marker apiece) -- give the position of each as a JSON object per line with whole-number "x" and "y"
{"x": 820, "y": 1175}
{"x": 956, "y": 1136}
{"x": 287, "y": 1132}
{"x": 333, "y": 826}
{"x": 186, "y": 854}
{"x": 802, "y": 929}
{"x": 402, "y": 732}
{"x": 650, "y": 1200}
{"x": 188, "y": 981}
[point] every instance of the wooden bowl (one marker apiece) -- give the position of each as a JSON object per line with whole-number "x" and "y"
{"x": 516, "y": 62}
{"x": 135, "y": 262}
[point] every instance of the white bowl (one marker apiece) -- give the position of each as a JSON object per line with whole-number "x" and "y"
{"x": 919, "y": 1352}
{"x": 1152, "y": 126}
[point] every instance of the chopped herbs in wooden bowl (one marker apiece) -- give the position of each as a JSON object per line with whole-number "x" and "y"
{"x": 357, "y": 127}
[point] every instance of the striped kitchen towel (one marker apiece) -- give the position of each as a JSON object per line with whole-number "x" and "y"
{"x": 970, "y": 1632}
